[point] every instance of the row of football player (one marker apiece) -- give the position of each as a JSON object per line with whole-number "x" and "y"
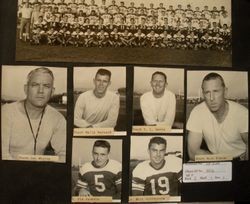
{"x": 76, "y": 7}
{"x": 118, "y": 39}
{"x": 129, "y": 20}
{"x": 225, "y": 32}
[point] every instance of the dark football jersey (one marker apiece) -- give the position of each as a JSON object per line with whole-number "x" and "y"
{"x": 100, "y": 181}
{"x": 163, "y": 181}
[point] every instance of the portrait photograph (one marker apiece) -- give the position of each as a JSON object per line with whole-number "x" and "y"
{"x": 156, "y": 167}
{"x": 33, "y": 113}
{"x": 100, "y": 98}
{"x": 97, "y": 169}
{"x": 217, "y": 115}
{"x": 158, "y": 98}
{"x": 189, "y": 32}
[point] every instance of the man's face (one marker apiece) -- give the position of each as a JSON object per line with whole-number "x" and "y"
{"x": 101, "y": 83}
{"x": 157, "y": 153}
{"x": 100, "y": 156}
{"x": 158, "y": 84}
{"x": 214, "y": 94}
{"x": 39, "y": 89}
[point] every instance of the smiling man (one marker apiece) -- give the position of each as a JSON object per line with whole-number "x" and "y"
{"x": 31, "y": 125}
{"x": 160, "y": 175}
{"x": 223, "y": 124}
{"x": 102, "y": 176}
{"x": 158, "y": 106}
{"x": 97, "y": 108}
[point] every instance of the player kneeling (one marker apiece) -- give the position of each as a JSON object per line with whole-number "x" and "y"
{"x": 192, "y": 41}
{"x": 179, "y": 40}
{"x": 139, "y": 39}
{"x": 126, "y": 38}
{"x": 63, "y": 37}
{"x": 37, "y": 36}
{"x": 76, "y": 39}
{"x": 102, "y": 38}
{"x": 51, "y": 36}
{"x": 153, "y": 39}
{"x": 166, "y": 39}
{"x": 115, "y": 39}
{"x": 89, "y": 38}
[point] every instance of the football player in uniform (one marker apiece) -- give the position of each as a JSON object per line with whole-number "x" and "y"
{"x": 102, "y": 176}
{"x": 113, "y": 8}
{"x": 161, "y": 175}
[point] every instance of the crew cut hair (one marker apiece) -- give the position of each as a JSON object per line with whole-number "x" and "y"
{"x": 103, "y": 72}
{"x": 157, "y": 140}
{"x": 42, "y": 70}
{"x": 102, "y": 143}
{"x": 160, "y": 73}
{"x": 212, "y": 76}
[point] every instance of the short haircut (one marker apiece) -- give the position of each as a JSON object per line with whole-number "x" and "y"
{"x": 42, "y": 70}
{"x": 157, "y": 140}
{"x": 212, "y": 76}
{"x": 102, "y": 143}
{"x": 103, "y": 72}
{"x": 160, "y": 73}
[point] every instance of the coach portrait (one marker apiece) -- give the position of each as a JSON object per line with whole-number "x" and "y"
{"x": 30, "y": 125}
{"x": 98, "y": 107}
{"x": 221, "y": 123}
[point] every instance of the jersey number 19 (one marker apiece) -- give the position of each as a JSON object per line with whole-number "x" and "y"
{"x": 162, "y": 182}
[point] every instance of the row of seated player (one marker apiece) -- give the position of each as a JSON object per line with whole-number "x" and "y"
{"x": 76, "y": 7}
{"x": 118, "y": 39}
{"x": 131, "y": 26}
{"x": 131, "y": 20}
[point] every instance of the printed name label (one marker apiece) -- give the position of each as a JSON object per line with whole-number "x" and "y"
{"x": 213, "y": 157}
{"x": 93, "y": 131}
{"x": 24, "y": 157}
{"x": 91, "y": 199}
{"x": 158, "y": 198}
{"x": 151, "y": 129}
{"x": 207, "y": 172}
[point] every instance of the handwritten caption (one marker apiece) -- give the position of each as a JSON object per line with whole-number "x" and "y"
{"x": 207, "y": 172}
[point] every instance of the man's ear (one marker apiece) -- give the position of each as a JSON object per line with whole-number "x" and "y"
{"x": 25, "y": 88}
{"x": 225, "y": 92}
{"x": 109, "y": 83}
{"x": 52, "y": 91}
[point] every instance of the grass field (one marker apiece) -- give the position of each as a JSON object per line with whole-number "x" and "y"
{"x": 27, "y": 52}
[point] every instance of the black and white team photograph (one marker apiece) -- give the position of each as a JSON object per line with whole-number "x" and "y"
{"x": 33, "y": 112}
{"x": 100, "y": 98}
{"x": 158, "y": 97}
{"x": 127, "y": 31}
{"x": 156, "y": 167}
{"x": 97, "y": 168}
{"x": 217, "y": 114}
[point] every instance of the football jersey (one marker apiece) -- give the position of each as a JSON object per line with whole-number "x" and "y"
{"x": 83, "y": 8}
{"x": 118, "y": 18}
{"x": 163, "y": 181}
{"x": 123, "y": 9}
{"x": 100, "y": 181}
{"x": 73, "y": 7}
{"x": 106, "y": 18}
{"x": 112, "y": 9}
{"x": 92, "y": 8}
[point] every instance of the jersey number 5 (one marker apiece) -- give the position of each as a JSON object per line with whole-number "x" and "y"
{"x": 162, "y": 182}
{"x": 100, "y": 187}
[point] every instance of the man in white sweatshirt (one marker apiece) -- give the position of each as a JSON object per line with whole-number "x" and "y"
{"x": 97, "y": 108}
{"x": 158, "y": 106}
